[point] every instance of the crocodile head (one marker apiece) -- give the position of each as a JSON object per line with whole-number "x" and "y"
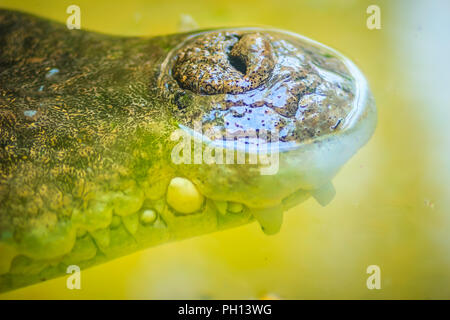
{"x": 297, "y": 109}
{"x": 109, "y": 144}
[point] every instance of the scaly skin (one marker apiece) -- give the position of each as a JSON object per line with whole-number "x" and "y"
{"x": 86, "y": 119}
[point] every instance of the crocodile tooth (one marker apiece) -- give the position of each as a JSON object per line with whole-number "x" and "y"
{"x": 148, "y": 216}
{"x": 221, "y": 206}
{"x": 131, "y": 223}
{"x": 270, "y": 219}
{"x": 295, "y": 198}
{"x": 183, "y": 196}
{"x": 235, "y": 207}
{"x": 324, "y": 194}
{"x": 115, "y": 222}
{"x": 102, "y": 237}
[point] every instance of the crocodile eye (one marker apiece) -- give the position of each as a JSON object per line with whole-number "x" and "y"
{"x": 224, "y": 63}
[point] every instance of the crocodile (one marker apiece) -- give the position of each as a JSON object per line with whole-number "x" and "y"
{"x": 112, "y": 144}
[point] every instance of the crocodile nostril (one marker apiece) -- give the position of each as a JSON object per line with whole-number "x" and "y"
{"x": 238, "y": 64}
{"x": 224, "y": 63}
{"x": 254, "y": 52}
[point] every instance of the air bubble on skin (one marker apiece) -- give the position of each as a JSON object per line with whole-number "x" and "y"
{"x": 51, "y": 72}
